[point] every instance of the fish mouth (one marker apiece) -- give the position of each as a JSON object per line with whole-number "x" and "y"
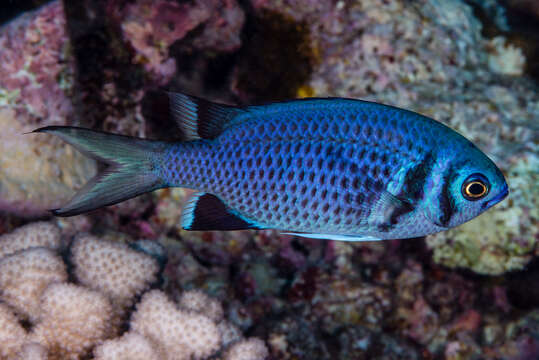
{"x": 497, "y": 198}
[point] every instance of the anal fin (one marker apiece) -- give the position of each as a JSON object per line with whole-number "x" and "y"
{"x": 208, "y": 212}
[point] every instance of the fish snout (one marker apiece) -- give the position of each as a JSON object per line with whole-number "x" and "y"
{"x": 496, "y": 199}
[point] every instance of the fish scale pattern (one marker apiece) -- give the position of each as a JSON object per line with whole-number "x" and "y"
{"x": 307, "y": 169}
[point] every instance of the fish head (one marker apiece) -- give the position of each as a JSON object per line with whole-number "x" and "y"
{"x": 468, "y": 184}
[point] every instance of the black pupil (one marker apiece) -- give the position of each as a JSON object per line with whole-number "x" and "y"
{"x": 476, "y": 189}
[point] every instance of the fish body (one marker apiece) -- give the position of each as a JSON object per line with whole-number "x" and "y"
{"x": 329, "y": 168}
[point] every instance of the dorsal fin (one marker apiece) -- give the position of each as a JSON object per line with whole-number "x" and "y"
{"x": 198, "y": 118}
{"x": 207, "y": 212}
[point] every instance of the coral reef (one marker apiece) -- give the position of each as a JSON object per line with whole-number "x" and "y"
{"x": 131, "y": 346}
{"x": 152, "y": 27}
{"x": 39, "y": 84}
{"x": 178, "y": 333}
{"x": 113, "y": 269}
{"x": 505, "y": 59}
{"x": 25, "y": 275}
{"x": 37, "y": 234}
{"x": 72, "y": 320}
{"x": 32, "y": 351}
{"x": 249, "y": 349}
{"x": 36, "y": 78}
{"x": 82, "y": 288}
{"x": 12, "y": 334}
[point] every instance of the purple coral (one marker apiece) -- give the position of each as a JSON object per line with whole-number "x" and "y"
{"x": 36, "y": 70}
{"x": 152, "y": 27}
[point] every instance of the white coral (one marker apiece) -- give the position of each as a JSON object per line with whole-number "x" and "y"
{"x": 112, "y": 268}
{"x": 248, "y": 349}
{"x": 12, "y": 334}
{"x": 131, "y": 346}
{"x": 70, "y": 321}
{"x": 25, "y": 274}
{"x": 179, "y": 333}
{"x": 505, "y": 59}
{"x": 32, "y": 351}
{"x": 36, "y": 234}
{"x": 73, "y": 320}
{"x": 198, "y": 301}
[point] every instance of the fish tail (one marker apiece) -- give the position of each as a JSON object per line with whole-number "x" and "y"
{"x": 133, "y": 167}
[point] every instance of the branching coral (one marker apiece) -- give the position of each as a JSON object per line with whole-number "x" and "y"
{"x": 72, "y": 321}
{"x": 12, "y": 334}
{"x": 248, "y": 349}
{"x": 113, "y": 269}
{"x": 197, "y": 301}
{"x": 131, "y": 346}
{"x": 32, "y": 235}
{"x": 25, "y": 275}
{"x": 32, "y": 351}
{"x": 182, "y": 334}
{"x": 68, "y": 320}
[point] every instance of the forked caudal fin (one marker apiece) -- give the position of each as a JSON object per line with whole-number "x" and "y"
{"x": 131, "y": 171}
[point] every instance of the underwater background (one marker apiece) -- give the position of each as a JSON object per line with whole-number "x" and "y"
{"x": 126, "y": 282}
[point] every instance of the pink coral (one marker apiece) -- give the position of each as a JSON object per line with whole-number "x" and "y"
{"x": 197, "y": 301}
{"x": 73, "y": 320}
{"x": 25, "y": 275}
{"x": 36, "y": 77}
{"x": 180, "y": 334}
{"x": 32, "y": 351}
{"x": 151, "y": 27}
{"x": 33, "y": 61}
{"x": 32, "y": 235}
{"x": 112, "y": 268}
{"x": 131, "y": 346}
{"x": 248, "y": 349}
{"x": 12, "y": 334}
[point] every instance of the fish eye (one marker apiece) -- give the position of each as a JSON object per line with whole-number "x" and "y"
{"x": 475, "y": 187}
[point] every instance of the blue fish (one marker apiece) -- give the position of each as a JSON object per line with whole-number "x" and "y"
{"x": 329, "y": 168}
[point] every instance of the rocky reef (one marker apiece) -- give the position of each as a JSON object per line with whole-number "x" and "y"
{"x": 152, "y": 289}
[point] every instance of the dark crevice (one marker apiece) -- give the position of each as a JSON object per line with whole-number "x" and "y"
{"x": 101, "y": 57}
{"x": 523, "y": 33}
{"x": 275, "y": 60}
{"x": 10, "y": 9}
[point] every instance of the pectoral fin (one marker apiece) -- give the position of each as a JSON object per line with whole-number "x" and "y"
{"x": 388, "y": 210}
